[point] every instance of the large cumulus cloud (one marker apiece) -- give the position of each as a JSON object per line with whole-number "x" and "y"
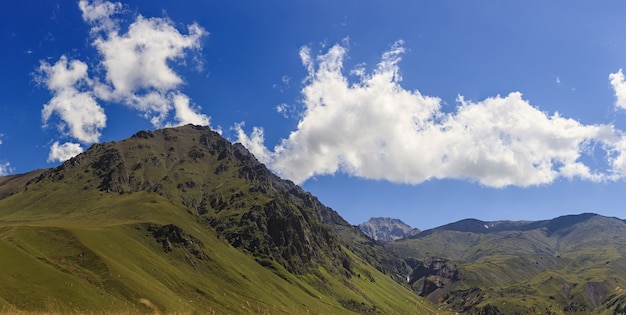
{"x": 374, "y": 128}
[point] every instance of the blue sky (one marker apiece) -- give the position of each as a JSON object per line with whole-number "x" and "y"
{"x": 429, "y": 112}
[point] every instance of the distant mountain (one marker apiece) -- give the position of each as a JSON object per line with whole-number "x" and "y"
{"x": 571, "y": 264}
{"x": 482, "y": 227}
{"x": 387, "y": 229}
{"x": 180, "y": 220}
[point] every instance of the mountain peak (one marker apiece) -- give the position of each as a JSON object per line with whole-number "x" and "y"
{"x": 223, "y": 185}
{"x": 387, "y": 229}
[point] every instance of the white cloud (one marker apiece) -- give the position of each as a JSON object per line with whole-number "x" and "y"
{"x": 62, "y": 75}
{"x": 5, "y": 168}
{"x": 63, "y": 152}
{"x": 186, "y": 114}
{"x": 81, "y": 116}
{"x": 374, "y": 128}
{"x": 254, "y": 142}
{"x": 139, "y": 59}
{"x": 617, "y": 159}
{"x": 286, "y": 79}
{"x": 619, "y": 87}
{"x": 287, "y": 110}
{"x": 282, "y": 109}
{"x": 284, "y": 85}
{"x": 137, "y": 65}
{"x": 99, "y": 13}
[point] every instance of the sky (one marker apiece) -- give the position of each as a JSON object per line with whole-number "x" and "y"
{"x": 425, "y": 111}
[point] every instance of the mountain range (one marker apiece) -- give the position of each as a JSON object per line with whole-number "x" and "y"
{"x": 573, "y": 264}
{"x": 180, "y": 220}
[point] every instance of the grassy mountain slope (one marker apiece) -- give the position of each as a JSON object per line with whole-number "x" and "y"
{"x": 14, "y": 183}
{"x": 180, "y": 220}
{"x": 571, "y": 264}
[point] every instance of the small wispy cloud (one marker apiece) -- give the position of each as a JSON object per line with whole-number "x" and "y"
{"x": 374, "y": 128}
{"x": 288, "y": 110}
{"x": 619, "y": 87}
{"x": 186, "y": 113}
{"x": 5, "y": 167}
{"x": 284, "y": 85}
{"x": 283, "y": 109}
{"x": 254, "y": 142}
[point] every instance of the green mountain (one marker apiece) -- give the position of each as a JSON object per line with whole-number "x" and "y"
{"x": 181, "y": 221}
{"x": 573, "y": 264}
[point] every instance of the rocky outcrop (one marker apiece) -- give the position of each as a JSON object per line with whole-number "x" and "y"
{"x": 431, "y": 275}
{"x": 172, "y": 237}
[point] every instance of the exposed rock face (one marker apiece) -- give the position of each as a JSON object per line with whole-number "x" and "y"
{"x": 387, "y": 229}
{"x": 171, "y": 236}
{"x": 432, "y": 274}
